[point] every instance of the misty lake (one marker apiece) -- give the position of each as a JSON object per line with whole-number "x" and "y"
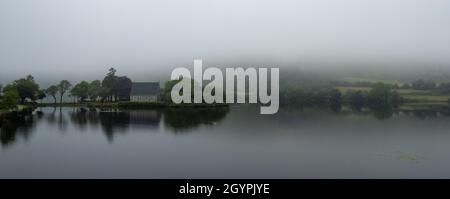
{"x": 234, "y": 142}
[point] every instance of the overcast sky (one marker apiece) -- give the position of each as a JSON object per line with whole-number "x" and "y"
{"x": 82, "y": 38}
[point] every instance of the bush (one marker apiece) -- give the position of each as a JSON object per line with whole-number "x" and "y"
{"x": 380, "y": 94}
{"x": 9, "y": 100}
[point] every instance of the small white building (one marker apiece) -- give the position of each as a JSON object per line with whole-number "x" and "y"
{"x": 144, "y": 92}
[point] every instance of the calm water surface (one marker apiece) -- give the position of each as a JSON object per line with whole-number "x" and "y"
{"x": 233, "y": 142}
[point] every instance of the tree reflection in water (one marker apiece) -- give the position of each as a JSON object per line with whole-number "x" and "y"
{"x": 114, "y": 121}
{"x": 179, "y": 120}
{"x": 187, "y": 118}
{"x": 382, "y": 112}
{"x": 15, "y": 126}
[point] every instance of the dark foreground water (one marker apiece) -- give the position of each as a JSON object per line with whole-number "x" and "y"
{"x": 226, "y": 143}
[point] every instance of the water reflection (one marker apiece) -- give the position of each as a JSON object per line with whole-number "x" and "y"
{"x": 185, "y": 119}
{"x": 425, "y": 114}
{"x": 386, "y": 112}
{"x": 382, "y": 112}
{"x": 113, "y": 122}
{"x": 336, "y": 108}
{"x": 14, "y": 127}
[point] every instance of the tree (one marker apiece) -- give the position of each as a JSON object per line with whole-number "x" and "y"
{"x": 117, "y": 87}
{"x": 165, "y": 94}
{"x": 41, "y": 95}
{"x": 63, "y": 87}
{"x": 81, "y": 91}
{"x": 103, "y": 94}
{"x": 122, "y": 88}
{"x": 52, "y": 91}
{"x": 9, "y": 99}
{"x": 110, "y": 81}
{"x": 26, "y": 88}
{"x": 380, "y": 94}
{"x": 94, "y": 90}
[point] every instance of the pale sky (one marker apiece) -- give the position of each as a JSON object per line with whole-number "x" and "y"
{"x": 83, "y": 38}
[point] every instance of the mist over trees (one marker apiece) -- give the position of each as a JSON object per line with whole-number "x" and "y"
{"x": 379, "y": 95}
{"x": 294, "y": 91}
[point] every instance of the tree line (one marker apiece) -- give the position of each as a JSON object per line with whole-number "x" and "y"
{"x": 420, "y": 84}
{"x": 111, "y": 88}
{"x": 379, "y": 95}
{"x": 23, "y": 90}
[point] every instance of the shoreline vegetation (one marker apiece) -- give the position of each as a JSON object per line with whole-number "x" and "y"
{"x": 8, "y": 117}
{"x": 114, "y": 91}
{"x": 129, "y": 105}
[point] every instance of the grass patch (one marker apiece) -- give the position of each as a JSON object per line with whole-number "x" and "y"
{"x": 426, "y": 98}
{"x": 410, "y": 95}
{"x": 411, "y": 91}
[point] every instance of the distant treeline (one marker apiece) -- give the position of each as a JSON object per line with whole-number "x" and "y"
{"x": 443, "y": 88}
{"x": 380, "y": 94}
{"x": 113, "y": 88}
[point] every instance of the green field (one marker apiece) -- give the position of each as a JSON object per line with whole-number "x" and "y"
{"x": 426, "y": 98}
{"x": 408, "y": 94}
{"x": 358, "y": 79}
